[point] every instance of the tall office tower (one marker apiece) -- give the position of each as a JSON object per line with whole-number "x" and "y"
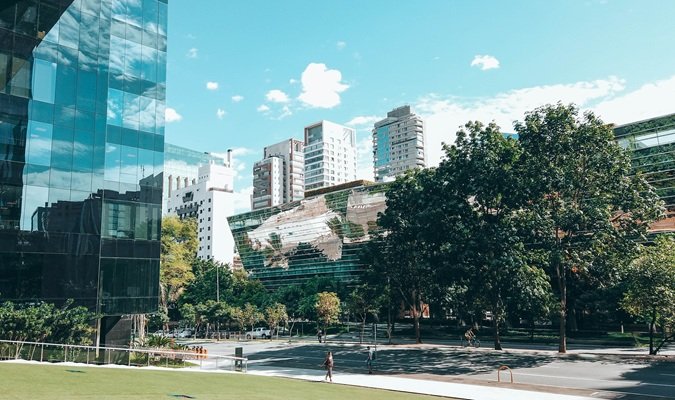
{"x": 181, "y": 168}
{"x": 330, "y": 155}
{"x": 398, "y": 144}
{"x": 280, "y": 176}
{"x": 210, "y": 201}
{"x": 82, "y": 93}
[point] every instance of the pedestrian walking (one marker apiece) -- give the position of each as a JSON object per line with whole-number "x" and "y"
{"x": 319, "y": 334}
{"x": 328, "y": 364}
{"x": 369, "y": 360}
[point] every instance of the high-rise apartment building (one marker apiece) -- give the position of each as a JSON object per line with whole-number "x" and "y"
{"x": 82, "y": 94}
{"x": 280, "y": 176}
{"x": 210, "y": 201}
{"x": 398, "y": 144}
{"x": 181, "y": 168}
{"x": 330, "y": 155}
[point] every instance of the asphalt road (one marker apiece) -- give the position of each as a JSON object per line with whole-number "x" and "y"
{"x": 603, "y": 376}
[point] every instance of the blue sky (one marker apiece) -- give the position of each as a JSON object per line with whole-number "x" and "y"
{"x": 243, "y": 75}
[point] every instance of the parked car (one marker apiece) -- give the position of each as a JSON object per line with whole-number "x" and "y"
{"x": 160, "y": 333}
{"x": 185, "y": 333}
{"x": 258, "y": 333}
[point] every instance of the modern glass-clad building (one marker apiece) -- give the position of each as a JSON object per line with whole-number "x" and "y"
{"x": 652, "y": 142}
{"x": 181, "y": 168}
{"x": 82, "y": 94}
{"x": 321, "y": 235}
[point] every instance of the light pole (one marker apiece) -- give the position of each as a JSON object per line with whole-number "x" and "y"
{"x": 218, "y": 296}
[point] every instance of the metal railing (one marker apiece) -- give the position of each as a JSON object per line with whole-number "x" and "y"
{"x": 140, "y": 357}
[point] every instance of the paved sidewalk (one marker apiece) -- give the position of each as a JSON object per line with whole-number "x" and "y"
{"x": 435, "y": 388}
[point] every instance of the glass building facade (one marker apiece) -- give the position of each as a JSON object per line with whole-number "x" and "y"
{"x": 652, "y": 143}
{"x": 181, "y": 168}
{"x": 82, "y": 94}
{"x": 321, "y": 235}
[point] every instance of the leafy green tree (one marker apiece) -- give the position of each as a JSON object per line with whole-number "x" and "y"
{"x": 483, "y": 167}
{"x": 178, "y": 252}
{"x": 188, "y": 314}
{"x": 411, "y": 252}
{"x": 327, "y": 308}
{"x": 211, "y": 279}
{"x": 44, "y": 322}
{"x": 275, "y": 315}
{"x": 363, "y": 301}
{"x": 650, "y": 289}
{"x": 251, "y": 315}
{"x": 237, "y": 316}
{"x": 582, "y": 202}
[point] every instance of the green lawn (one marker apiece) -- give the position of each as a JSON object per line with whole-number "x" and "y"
{"x": 56, "y": 382}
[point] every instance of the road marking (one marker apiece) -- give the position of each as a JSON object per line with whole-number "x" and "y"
{"x": 594, "y": 380}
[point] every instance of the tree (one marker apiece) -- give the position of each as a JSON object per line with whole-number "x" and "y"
{"x": 251, "y": 315}
{"x": 483, "y": 168}
{"x": 364, "y": 300}
{"x": 179, "y": 249}
{"x": 44, "y": 322}
{"x": 582, "y": 202}
{"x": 211, "y": 278}
{"x": 650, "y": 289}
{"x": 275, "y": 315}
{"x": 327, "y": 308}
{"x": 410, "y": 254}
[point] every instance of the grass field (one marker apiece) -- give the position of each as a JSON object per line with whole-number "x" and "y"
{"x": 55, "y": 382}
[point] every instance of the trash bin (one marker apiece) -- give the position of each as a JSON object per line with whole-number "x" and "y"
{"x": 238, "y": 364}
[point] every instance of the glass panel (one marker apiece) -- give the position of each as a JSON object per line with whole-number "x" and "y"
{"x": 34, "y": 197}
{"x": 69, "y": 28}
{"x": 39, "y": 143}
{"x": 66, "y": 85}
{"x": 62, "y": 148}
{"x": 128, "y": 164}
{"x": 83, "y": 151}
{"x": 115, "y": 106}
{"x": 44, "y": 80}
{"x": 112, "y": 162}
{"x": 37, "y": 175}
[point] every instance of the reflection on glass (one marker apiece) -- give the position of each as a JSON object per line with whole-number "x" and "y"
{"x": 44, "y": 80}
{"x": 39, "y": 143}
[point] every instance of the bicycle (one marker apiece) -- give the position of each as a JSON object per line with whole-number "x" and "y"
{"x": 472, "y": 342}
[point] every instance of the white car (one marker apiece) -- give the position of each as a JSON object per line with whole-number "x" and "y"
{"x": 258, "y": 333}
{"x": 184, "y": 334}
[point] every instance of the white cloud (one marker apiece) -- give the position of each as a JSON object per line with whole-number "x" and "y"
{"x": 285, "y": 112}
{"x": 192, "y": 53}
{"x": 364, "y": 156}
{"x": 292, "y": 81}
{"x": 212, "y": 85}
{"x": 650, "y": 100}
{"x": 444, "y": 115}
{"x": 485, "y": 62}
{"x": 220, "y": 113}
{"x": 321, "y": 87}
{"x": 363, "y": 120}
{"x": 262, "y": 108}
{"x": 341, "y": 45}
{"x": 242, "y": 200}
{"x": 277, "y": 96}
{"x": 171, "y": 115}
{"x": 242, "y": 151}
{"x": 237, "y": 98}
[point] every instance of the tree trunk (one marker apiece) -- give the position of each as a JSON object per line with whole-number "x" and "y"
{"x": 363, "y": 329}
{"x": 652, "y": 324}
{"x": 495, "y": 320}
{"x": 572, "y": 318}
{"x": 416, "y": 317}
{"x": 562, "y": 283}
